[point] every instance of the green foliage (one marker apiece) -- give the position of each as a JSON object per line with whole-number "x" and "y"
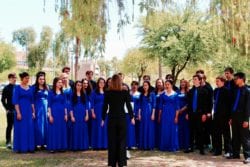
{"x": 60, "y": 49}
{"x": 38, "y": 52}
{"x": 24, "y": 36}
{"x": 7, "y": 57}
{"x": 179, "y": 39}
{"x": 135, "y": 62}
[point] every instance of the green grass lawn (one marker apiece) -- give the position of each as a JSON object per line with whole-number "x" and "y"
{"x": 2, "y": 126}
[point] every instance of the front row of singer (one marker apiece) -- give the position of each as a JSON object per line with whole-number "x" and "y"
{"x": 65, "y": 118}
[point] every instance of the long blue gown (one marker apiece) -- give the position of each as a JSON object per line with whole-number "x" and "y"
{"x": 57, "y": 131}
{"x": 157, "y": 125}
{"x": 131, "y": 136}
{"x": 169, "y": 130}
{"x": 147, "y": 126}
{"x": 88, "y": 106}
{"x": 99, "y": 139}
{"x": 24, "y": 129}
{"x": 183, "y": 124}
{"x": 68, "y": 95}
{"x": 136, "y": 100}
{"x": 80, "y": 140}
{"x": 41, "y": 121}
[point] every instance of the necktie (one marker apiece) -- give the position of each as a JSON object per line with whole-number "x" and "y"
{"x": 229, "y": 85}
{"x": 216, "y": 100}
{"x": 195, "y": 95}
{"x": 236, "y": 101}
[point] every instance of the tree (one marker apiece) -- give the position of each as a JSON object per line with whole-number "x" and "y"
{"x": 105, "y": 67}
{"x": 7, "y": 57}
{"x": 179, "y": 39}
{"x": 135, "y": 62}
{"x": 38, "y": 52}
{"x": 24, "y": 37}
{"x": 60, "y": 49}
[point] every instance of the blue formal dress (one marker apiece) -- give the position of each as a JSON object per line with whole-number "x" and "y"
{"x": 57, "y": 131}
{"x": 68, "y": 92}
{"x": 80, "y": 139}
{"x": 136, "y": 105}
{"x": 169, "y": 130}
{"x": 131, "y": 138}
{"x": 88, "y": 107}
{"x": 41, "y": 121}
{"x": 99, "y": 139}
{"x": 183, "y": 124}
{"x": 24, "y": 140}
{"x": 147, "y": 126}
{"x": 157, "y": 125}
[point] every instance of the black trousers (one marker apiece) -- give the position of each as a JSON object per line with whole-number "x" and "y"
{"x": 221, "y": 129}
{"x": 197, "y": 131}
{"x": 10, "y": 122}
{"x": 240, "y": 136}
{"x": 208, "y": 131}
{"x": 117, "y": 142}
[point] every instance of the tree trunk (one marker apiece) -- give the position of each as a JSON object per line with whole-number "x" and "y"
{"x": 77, "y": 56}
{"x": 160, "y": 67}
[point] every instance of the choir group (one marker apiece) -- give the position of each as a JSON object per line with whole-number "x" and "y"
{"x": 68, "y": 115}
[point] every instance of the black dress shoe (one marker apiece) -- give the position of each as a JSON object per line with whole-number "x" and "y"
{"x": 188, "y": 150}
{"x": 217, "y": 153}
{"x": 202, "y": 152}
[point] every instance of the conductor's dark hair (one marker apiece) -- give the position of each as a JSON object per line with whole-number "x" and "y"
{"x": 229, "y": 69}
{"x": 240, "y": 75}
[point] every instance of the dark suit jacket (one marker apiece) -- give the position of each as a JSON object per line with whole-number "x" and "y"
{"x": 223, "y": 105}
{"x": 202, "y": 103}
{"x": 243, "y": 108}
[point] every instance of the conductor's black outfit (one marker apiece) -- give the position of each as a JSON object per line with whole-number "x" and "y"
{"x": 115, "y": 100}
{"x": 197, "y": 106}
{"x": 222, "y": 108}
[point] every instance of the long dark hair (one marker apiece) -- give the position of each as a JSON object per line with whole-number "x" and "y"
{"x": 156, "y": 88}
{"x": 56, "y": 79}
{"x": 116, "y": 83}
{"x": 89, "y": 89}
{"x": 97, "y": 90}
{"x": 45, "y": 87}
{"x": 143, "y": 91}
{"x": 75, "y": 93}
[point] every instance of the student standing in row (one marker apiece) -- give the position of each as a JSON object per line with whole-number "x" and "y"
{"x": 146, "y": 115}
{"x": 168, "y": 117}
{"x": 222, "y": 105}
{"x": 79, "y": 118}
{"x": 183, "y": 123}
{"x": 58, "y": 117}
{"x": 40, "y": 89}
{"x": 6, "y": 99}
{"x": 98, "y": 134}
{"x": 240, "y": 118}
{"x": 24, "y": 116}
{"x": 197, "y": 113}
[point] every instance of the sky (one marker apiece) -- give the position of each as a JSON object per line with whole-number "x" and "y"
{"x": 16, "y": 14}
